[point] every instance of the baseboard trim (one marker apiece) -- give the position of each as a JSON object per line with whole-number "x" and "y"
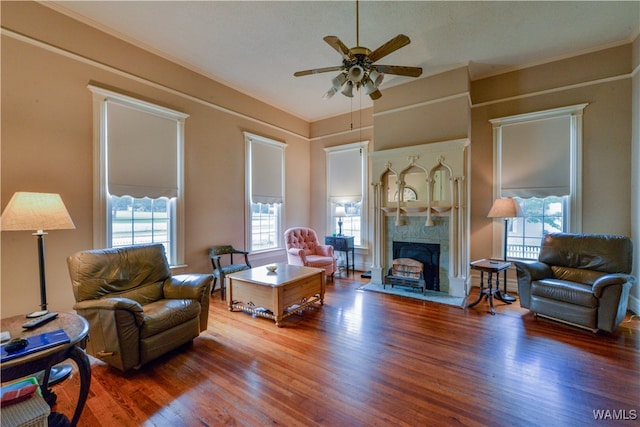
{"x": 634, "y": 304}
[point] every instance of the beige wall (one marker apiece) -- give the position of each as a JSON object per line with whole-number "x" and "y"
{"x": 339, "y": 130}
{"x": 47, "y": 138}
{"x": 437, "y": 108}
{"x": 47, "y": 143}
{"x": 430, "y": 109}
{"x": 600, "y": 79}
{"x": 635, "y": 172}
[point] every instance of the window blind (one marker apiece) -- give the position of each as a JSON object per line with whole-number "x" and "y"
{"x": 267, "y": 171}
{"x": 344, "y": 175}
{"x": 536, "y": 158}
{"x": 142, "y": 152}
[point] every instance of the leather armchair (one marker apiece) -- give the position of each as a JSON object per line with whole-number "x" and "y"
{"x": 136, "y": 310}
{"x": 580, "y": 279}
{"x": 303, "y": 248}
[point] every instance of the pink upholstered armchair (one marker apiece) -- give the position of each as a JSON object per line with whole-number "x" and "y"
{"x": 303, "y": 248}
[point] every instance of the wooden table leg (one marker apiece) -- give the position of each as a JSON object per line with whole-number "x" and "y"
{"x": 481, "y": 292}
{"x": 84, "y": 367}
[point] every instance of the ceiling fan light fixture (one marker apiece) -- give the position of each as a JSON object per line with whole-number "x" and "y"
{"x": 348, "y": 89}
{"x": 356, "y": 73}
{"x": 369, "y": 86}
{"x": 330, "y": 92}
{"x": 359, "y": 67}
{"x": 376, "y": 77}
{"x": 339, "y": 80}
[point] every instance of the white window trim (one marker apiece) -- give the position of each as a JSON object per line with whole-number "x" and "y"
{"x": 575, "y": 200}
{"x": 364, "y": 210}
{"x": 248, "y": 137}
{"x": 101, "y": 225}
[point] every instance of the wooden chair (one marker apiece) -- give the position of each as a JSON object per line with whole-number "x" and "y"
{"x": 219, "y": 270}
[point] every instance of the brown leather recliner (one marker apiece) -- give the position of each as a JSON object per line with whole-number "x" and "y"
{"x": 581, "y": 279}
{"x": 136, "y": 310}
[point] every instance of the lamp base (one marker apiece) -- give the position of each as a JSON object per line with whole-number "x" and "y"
{"x": 58, "y": 374}
{"x": 37, "y": 314}
{"x": 507, "y": 297}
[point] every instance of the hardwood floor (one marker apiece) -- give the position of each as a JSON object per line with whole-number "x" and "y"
{"x": 368, "y": 359}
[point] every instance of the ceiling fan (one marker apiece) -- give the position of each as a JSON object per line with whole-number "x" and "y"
{"x": 358, "y": 67}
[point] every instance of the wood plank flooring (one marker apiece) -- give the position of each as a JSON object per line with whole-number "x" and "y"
{"x": 368, "y": 359}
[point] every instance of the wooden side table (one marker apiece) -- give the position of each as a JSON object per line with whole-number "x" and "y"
{"x": 343, "y": 244}
{"x": 490, "y": 267}
{"x": 77, "y": 329}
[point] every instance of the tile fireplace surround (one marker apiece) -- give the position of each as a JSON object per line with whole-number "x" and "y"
{"x": 433, "y": 178}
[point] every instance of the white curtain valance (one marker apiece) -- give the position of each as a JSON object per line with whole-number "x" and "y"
{"x": 344, "y": 175}
{"x": 267, "y": 171}
{"x": 536, "y": 158}
{"x": 142, "y": 152}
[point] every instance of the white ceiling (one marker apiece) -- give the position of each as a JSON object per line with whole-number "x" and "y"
{"x": 257, "y": 46}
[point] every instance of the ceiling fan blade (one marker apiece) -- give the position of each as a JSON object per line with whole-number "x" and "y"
{"x": 391, "y": 46}
{"x": 317, "y": 71}
{"x": 340, "y": 47}
{"x": 376, "y": 94}
{"x": 399, "y": 70}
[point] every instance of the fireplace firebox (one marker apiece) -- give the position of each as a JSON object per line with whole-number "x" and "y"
{"x": 426, "y": 253}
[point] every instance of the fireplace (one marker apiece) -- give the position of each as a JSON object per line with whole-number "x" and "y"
{"x": 437, "y": 213}
{"x": 428, "y": 254}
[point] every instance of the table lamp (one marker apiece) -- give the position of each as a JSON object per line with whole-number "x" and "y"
{"x": 505, "y": 208}
{"x": 340, "y": 213}
{"x": 38, "y": 212}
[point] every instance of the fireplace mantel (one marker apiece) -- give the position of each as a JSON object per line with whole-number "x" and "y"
{"x": 421, "y": 192}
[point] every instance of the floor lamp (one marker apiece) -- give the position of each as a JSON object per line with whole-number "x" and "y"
{"x": 38, "y": 212}
{"x": 505, "y": 208}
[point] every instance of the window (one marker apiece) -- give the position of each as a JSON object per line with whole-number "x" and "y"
{"x": 139, "y": 161}
{"x": 346, "y": 187}
{"x": 265, "y": 192}
{"x": 541, "y": 216}
{"x": 141, "y": 220}
{"x": 538, "y": 162}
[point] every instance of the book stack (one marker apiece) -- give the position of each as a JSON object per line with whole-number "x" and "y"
{"x": 23, "y": 405}
{"x": 36, "y": 343}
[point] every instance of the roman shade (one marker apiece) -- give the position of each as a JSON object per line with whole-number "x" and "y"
{"x": 536, "y": 158}
{"x": 267, "y": 170}
{"x": 344, "y": 175}
{"x": 142, "y": 152}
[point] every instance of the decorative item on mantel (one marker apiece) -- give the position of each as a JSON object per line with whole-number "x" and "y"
{"x": 439, "y": 200}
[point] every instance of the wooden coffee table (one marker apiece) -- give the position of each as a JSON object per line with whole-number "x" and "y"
{"x": 276, "y": 295}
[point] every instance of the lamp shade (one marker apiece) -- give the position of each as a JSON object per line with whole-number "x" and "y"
{"x": 340, "y": 211}
{"x": 35, "y": 211}
{"x": 505, "y": 208}
{"x": 348, "y": 89}
{"x": 369, "y": 86}
{"x": 356, "y": 73}
{"x": 330, "y": 93}
{"x": 339, "y": 80}
{"x": 376, "y": 77}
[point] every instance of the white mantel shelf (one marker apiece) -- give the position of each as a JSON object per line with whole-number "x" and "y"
{"x": 437, "y": 173}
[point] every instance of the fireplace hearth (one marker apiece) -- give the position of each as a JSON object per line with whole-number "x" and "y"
{"x": 426, "y": 253}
